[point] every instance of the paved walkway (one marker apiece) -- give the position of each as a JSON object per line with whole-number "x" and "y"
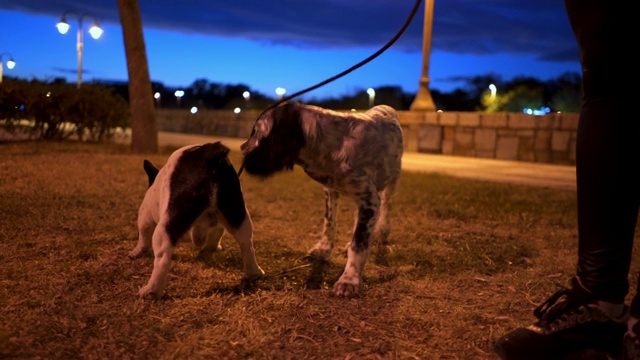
{"x": 515, "y": 172}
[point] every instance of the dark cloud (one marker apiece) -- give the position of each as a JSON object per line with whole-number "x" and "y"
{"x": 481, "y": 27}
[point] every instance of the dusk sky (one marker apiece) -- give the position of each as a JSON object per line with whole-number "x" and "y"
{"x": 293, "y": 43}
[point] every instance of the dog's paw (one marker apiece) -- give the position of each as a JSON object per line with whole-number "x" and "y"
{"x": 319, "y": 253}
{"x": 137, "y": 252}
{"x": 347, "y": 286}
{"x": 148, "y": 293}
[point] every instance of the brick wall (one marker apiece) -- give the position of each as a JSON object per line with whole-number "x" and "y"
{"x": 508, "y": 136}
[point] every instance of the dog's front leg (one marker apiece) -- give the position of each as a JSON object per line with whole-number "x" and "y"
{"x": 350, "y": 282}
{"x": 162, "y": 250}
{"x": 322, "y": 249}
{"x": 206, "y": 233}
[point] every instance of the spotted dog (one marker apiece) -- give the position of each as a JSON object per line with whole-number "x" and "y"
{"x": 357, "y": 155}
{"x": 196, "y": 191}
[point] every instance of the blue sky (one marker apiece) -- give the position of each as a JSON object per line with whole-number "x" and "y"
{"x": 295, "y": 44}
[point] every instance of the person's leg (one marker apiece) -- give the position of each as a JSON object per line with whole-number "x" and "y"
{"x": 607, "y": 151}
{"x": 591, "y": 314}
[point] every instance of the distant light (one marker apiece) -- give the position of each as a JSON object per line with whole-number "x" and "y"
{"x": 179, "y": 93}
{"x": 280, "y": 91}
{"x": 96, "y": 31}
{"x": 156, "y": 95}
{"x": 246, "y": 95}
{"x": 494, "y": 90}
{"x": 11, "y": 64}
{"x": 371, "y": 92}
{"x": 237, "y": 110}
{"x": 194, "y": 109}
{"x": 48, "y": 94}
{"x": 537, "y": 112}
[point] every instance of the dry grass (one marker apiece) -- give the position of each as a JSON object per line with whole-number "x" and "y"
{"x": 469, "y": 262}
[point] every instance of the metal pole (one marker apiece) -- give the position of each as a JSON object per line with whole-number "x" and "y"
{"x": 423, "y": 100}
{"x": 80, "y": 45}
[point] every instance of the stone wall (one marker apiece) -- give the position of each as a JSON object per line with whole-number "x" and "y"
{"x": 507, "y": 136}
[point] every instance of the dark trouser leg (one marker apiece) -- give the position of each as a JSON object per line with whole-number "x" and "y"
{"x": 608, "y": 147}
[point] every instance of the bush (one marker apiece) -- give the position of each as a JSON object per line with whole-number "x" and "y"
{"x": 56, "y": 111}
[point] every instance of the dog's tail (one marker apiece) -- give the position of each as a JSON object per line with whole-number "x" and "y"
{"x": 151, "y": 171}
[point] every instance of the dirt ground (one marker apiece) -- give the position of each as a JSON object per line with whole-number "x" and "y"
{"x": 469, "y": 261}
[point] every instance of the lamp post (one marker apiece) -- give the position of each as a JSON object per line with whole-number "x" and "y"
{"x": 494, "y": 90}
{"x": 372, "y": 96}
{"x": 423, "y": 100}
{"x": 95, "y": 31}
{"x": 10, "y": 63}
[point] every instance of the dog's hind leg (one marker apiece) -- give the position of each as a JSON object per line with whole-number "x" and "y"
{"x": 350, "y": 282}
{"x": 146, "y": 226}
{"x": 382, "y": 227}
{"x": 322, "y": 249}
{"x": 244, "y": 236}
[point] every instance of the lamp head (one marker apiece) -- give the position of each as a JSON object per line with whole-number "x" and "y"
{"x": 11, "y": 64}
{"x": 95, "y": 31}
{"x": 63, "y": 26}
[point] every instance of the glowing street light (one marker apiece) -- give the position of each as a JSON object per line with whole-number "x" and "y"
{"x": 95, "y": 31}
{"x": 246, "y": 95}
{"x": 280, "y": 91}
{"x": 372, "y": 96}
{"x": 494, "y": 90}
{"x": 157, "y": 97}
{"x": 179, "y": 94}
{"x": 10, "y": 63}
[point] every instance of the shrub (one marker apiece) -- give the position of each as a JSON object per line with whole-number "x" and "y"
{"x": 57, "y": 111}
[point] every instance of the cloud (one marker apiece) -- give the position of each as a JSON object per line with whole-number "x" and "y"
{"x": 480, "y": 27}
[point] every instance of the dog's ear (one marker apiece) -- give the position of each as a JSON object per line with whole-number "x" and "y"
{"x": 151, "y": 171}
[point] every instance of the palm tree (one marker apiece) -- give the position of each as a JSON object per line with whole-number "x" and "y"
{"x": 144, "y": 129}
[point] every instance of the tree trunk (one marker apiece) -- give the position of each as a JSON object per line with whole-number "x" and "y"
{"x": 144, "y": 129}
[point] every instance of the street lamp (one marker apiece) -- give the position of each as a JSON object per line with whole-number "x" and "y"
{"x": 280, "y": 91}
{"x": 10, "y": 63}
{"x": 494, "y": 90}
{"x": 95, "y": 31}
{"x": 372, "y": 96}
{"x": 247, "y": 96}
{"x": 179, "y": 94}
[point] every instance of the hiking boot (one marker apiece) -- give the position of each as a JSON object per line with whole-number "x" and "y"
{"x": 631, "y": 350}
{"x": 569, "y": 323}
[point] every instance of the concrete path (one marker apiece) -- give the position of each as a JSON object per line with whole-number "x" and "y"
{"x": 515, "y": 172}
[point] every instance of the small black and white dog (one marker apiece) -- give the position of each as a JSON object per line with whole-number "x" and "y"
{"x": 357, "y": 155}
{"x": 198, "y": 190}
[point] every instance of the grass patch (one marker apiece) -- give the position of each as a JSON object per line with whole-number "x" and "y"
{"x": 469, "y": 260}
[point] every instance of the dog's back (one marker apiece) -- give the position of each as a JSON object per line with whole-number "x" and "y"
{"x": 202, "y": 176}
{"x": 198, "y": 189}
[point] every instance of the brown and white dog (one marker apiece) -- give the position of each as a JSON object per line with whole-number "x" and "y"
{"x": 357, "y": 155}
{"x": 197, "y": 190}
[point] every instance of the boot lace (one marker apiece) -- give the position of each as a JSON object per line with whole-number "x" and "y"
{"x": 565, "y": 309}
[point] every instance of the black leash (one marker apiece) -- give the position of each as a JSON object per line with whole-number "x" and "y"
{"x": 354, "y": 67}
